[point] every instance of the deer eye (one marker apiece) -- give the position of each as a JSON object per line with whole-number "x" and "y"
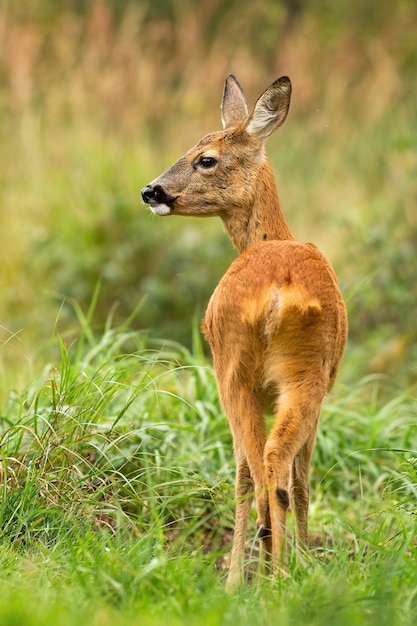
{"x": 207, "y": 162}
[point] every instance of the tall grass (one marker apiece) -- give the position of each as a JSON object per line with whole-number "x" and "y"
{"x": 117, "y": 497}
{"x": 100, "y": 438}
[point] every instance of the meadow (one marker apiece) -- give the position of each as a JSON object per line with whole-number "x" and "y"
{"x": 116, "y": 466}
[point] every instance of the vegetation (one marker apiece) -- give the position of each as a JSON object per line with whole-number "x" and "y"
{"x": 116, "y": 468}
{"x": 117, "y": 499}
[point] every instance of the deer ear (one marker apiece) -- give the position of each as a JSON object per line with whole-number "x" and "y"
{"x": 234, "y": 108}
{"x": 270, "y": 110}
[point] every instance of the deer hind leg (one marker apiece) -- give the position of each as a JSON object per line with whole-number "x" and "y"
{"x": 301, "y": 490}
{"x": 288, "y": 448}
{"x": 244, "y": 492}
{"x": 248, "y": 430}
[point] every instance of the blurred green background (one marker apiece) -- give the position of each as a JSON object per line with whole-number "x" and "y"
{"x": 97, "y": 98}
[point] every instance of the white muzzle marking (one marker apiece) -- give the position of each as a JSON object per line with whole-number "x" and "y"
{"x": 160, "y": 209}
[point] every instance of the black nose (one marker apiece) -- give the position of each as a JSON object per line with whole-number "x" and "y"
{"x": 148, "y": 194}
{"x": 157, "y": 195}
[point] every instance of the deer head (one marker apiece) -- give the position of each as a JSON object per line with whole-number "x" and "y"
{"x": 220, "y": 175}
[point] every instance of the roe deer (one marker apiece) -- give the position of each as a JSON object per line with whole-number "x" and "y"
{"x": 276, "y": 323}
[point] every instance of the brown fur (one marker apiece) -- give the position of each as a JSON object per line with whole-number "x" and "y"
{"x": 276, "y": 323}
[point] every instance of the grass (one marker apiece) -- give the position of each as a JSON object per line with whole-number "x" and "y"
{"x": 117, "y": 498}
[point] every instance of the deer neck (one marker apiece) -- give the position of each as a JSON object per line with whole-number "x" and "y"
{"x": 263, "y": 220}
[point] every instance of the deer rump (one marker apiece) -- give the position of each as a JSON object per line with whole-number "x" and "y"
{"x": 273, "y": 319}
